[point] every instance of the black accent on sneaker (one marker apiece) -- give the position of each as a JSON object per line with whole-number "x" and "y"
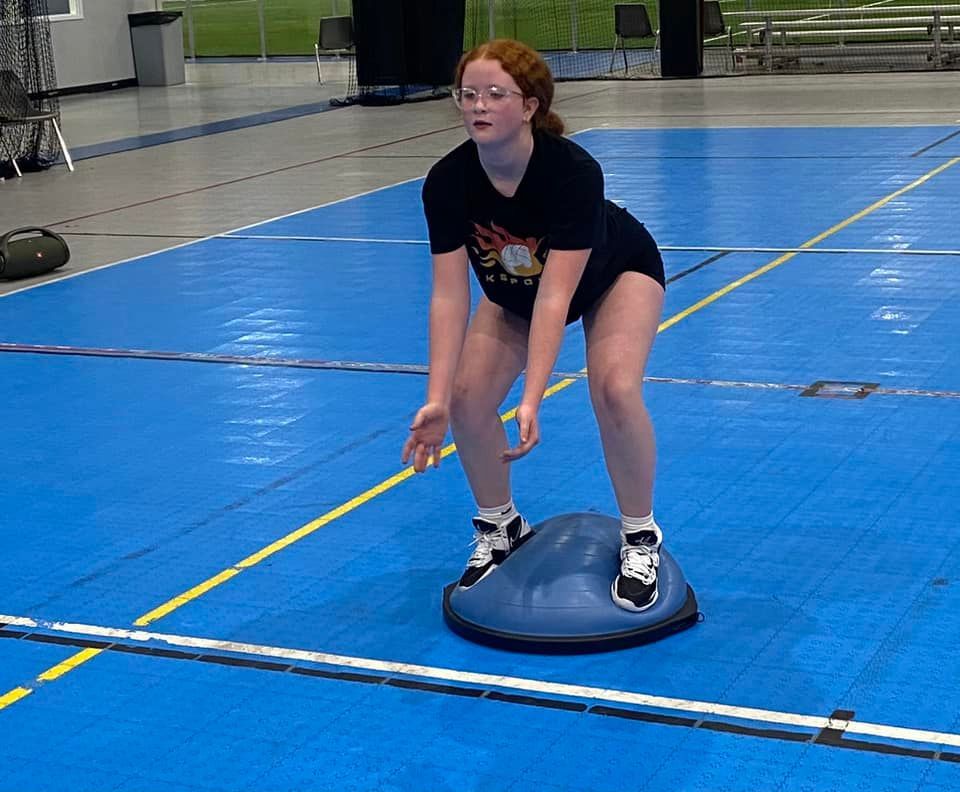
{"x": 473, "y": 574}
{"x": 515, "y": 536}
{"x": 634, "y": 595}
{"x": 637, "y": 538}
{"x": 514, "y": 532}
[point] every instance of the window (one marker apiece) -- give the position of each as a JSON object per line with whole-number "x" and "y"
{"x": 64, "y": 9}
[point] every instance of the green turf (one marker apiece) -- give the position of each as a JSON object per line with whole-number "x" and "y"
{"x": 231, "y": 27}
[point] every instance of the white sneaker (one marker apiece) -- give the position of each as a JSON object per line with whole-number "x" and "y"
{"x": 635, "y": 588}
{"x": 493, "y": 543}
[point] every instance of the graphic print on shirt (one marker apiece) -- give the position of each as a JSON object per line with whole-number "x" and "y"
{"x": 496, "y": 245}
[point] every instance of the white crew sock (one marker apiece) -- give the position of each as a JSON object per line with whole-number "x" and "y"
{"x": 630, "y": 525}
{"x": 500, "y": 515}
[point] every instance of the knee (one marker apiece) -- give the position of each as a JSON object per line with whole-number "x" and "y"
{"x": 467, "y": 405}
{"x": 617, "y": 398}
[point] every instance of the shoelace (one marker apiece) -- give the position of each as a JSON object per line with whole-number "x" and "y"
{"x": 639, "y": 562}
{"x": 486, "y": 542}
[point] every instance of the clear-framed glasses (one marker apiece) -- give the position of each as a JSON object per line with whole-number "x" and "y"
{"x": 491, "y": 95}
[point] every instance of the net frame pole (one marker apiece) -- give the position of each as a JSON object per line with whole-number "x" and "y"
{"x": 191, "y": 32}
{"x": 263, "y": 30}
{"x": 768, "y": 42}
{"x": 574, "y": 25}
{"x": 937, "y": 40}
{"x": 492, "y": 18}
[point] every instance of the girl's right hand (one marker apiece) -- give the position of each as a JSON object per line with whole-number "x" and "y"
{"x": 427, "y": 432}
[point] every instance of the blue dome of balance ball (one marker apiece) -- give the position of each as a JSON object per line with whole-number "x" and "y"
{"x": 553, "y": 594}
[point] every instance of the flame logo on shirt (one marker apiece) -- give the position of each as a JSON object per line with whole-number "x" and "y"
{"x": 496, "y": 245}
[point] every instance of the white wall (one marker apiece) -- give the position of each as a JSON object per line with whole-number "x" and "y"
{"x": 96, "y": 48}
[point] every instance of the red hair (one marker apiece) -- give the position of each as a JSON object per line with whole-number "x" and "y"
{"x": 528, "y": 69}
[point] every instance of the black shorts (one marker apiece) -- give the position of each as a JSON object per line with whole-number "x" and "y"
{"x": 635, "y": 251}
{"x": 644, "y": 255}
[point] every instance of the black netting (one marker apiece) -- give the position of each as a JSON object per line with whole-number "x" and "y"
{"x": 26, "y": 59}
{"x": 406, "y": 50}
{"x": 579, "y": 40}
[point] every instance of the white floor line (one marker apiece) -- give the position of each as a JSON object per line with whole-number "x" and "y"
{"x": 243, "y": 228}
{"x": 307, "y": 238}
{"x": 675, "y": 248}
{"x": 863, "y": 251}
{"x": 582, "y": 692}
{"x": 207, "y": 238}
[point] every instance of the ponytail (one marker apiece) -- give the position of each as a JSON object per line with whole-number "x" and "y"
{"x": 549, "y": 122}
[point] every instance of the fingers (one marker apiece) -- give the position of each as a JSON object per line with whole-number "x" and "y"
{"x": 425, "y": 425}
{"x": 529, "y": 437}
{"x": 431, "y": 456}
{"x": 420, "y": 458}
{"x": 518, "y": 451}
{"x": 413, "y": 449}
{"x": 408, "y": 448}
{"x": 424, "y": 455}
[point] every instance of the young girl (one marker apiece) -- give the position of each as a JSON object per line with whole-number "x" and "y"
{"x": 525, "y": 208}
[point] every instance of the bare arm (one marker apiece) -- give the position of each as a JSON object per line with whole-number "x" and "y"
{"x": 449, "y": 312}
{"x": 560, "y": 279}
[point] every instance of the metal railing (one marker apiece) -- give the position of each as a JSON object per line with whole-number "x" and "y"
{"x": 192, "y": 8}
{"x": 242, "y": 11}
{"x": 894, "y": 33}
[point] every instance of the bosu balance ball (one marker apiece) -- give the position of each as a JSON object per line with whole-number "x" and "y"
{"x": 552, "y": 595}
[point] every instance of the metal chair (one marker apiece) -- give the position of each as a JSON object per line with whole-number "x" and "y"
{"x": 630, "y": 20}
{"x": 714, "y": 25}
{"x": 17, "y": 109}
{"x": 336, "y": 35}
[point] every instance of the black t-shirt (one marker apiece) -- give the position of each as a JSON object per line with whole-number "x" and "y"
{"x": 559, "y": 205}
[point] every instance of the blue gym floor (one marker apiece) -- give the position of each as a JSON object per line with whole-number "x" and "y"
{"x": 144, "y": 470}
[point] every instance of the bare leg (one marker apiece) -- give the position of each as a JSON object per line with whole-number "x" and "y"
{"x": 620, "y": 331}
{"x": 494, "y": 354}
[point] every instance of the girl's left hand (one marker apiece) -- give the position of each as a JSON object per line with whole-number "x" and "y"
{"x": 529, "y": 429}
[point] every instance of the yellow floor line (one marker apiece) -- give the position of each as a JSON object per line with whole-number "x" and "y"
{"x": 13, "y": 696}
{"x": 57, "y": 671}
{"x": 295, "y": 536}
{"x": 305, "y": 530}
{"x": 171, "y": 605}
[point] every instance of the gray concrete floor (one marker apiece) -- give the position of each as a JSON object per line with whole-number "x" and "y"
{"x": 123, "y": 205}
{"x": 212, "y": 92}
